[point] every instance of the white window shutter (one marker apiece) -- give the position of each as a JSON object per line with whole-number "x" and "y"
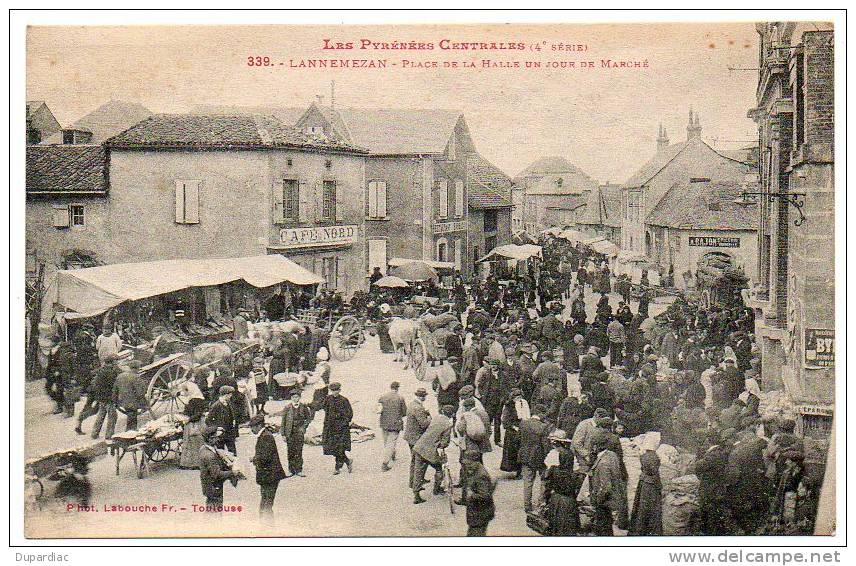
{"x": 191, "y": 201}
{"x": 303, "y": 201}
{"x": 339, "y": 202}
{"x": 458, "y": 257}
{"x": 381, "y": 199}
{"x": 444, "y": 199}
{"x": 373, "y": 199}
{"x": 459, "y": 198}
{"x": 60, "y": 216}
{"x": 278, "y": 190}
{"x": 179, "y": 201}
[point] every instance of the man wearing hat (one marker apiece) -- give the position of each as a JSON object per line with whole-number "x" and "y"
{"x": 480, "y": 487}
{"x": 129, "y": 393}
{"x": 489, "y": 389}
{"x": 296, "y": 416}
{"x": 430, "y": 450}
{"x": 392, "y": 409}
{"x": 101, "y": 391}
{"x": 221, "y": 415}
{"x": 336, "y": 434}
{"x": 590, "y": 366}
{"x": 269, "y": 470}
{"x": 213, "y": 470}
{"x": 582, "y": 437}
{"x": 534, "y": 447}
{"x": 415, "y": 425}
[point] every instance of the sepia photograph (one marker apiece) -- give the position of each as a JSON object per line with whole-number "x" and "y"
{"x": 559, "y": 279}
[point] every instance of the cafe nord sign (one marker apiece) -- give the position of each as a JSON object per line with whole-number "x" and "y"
{"x": 318, "y": 236}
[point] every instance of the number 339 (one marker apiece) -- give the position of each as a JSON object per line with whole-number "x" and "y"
{"x": 258, "y": 61}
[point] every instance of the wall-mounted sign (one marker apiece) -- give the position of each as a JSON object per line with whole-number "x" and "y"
{"x": 819, "y": 347}
{"x": 446, "y": 227}
{"x": 318, "y": 236}
{"x": 714, "y": 242}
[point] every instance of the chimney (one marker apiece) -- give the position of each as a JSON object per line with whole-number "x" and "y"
{"x": 693, "y": 127}
{"x": 662, "y": 139}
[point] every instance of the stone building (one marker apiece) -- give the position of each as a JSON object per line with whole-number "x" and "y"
{"x": 671, "y": 164}
{"x": 41, "y": 123}
{"x": 555, "y": 193}
{"x": 698, "y": 219}
{"x": 794, "y": 295}
{"x": 104, "y": 122}
{"x": 428, "y": 193}
{"x": 186, "y": 186}
{"x": 602, "y": 214}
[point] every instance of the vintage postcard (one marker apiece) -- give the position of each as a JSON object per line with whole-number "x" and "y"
{"x": 478, "y": 279}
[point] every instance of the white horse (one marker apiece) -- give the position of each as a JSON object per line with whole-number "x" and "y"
{"x": 402, "y": 334}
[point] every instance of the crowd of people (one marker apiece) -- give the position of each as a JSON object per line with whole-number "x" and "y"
{"x": 526, "y": 370}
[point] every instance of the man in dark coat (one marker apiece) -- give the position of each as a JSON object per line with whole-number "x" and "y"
{"x": 534, "y": 447}
{"x": 269, "y": 470}
{"x": 491, "y": 394}
{"x": 296, "y": 416}
{"x": 336, "y": 434}
{"x": 590, "y": 366}
{"x": 479, "y": 502}
{"x": 646, "y": 519}
{"x": 430, "y": 450}
{"x": 712, "y": 472}
{"x": 416, "y": 423}
{"x": 221, "y": 415}
{"x": 101, "y": 391}
{"x": 213, "y": 471}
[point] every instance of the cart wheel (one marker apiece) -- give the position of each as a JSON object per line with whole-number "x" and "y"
{"x": 164, "y": 394}
{"x": 346, "y": 338}
{"x": 419, "y": 359}
{"x": 159, "y": 453}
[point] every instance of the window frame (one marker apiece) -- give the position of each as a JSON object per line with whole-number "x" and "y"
{"x": 372, "y": 187}
{"x": 459, "y": 198}
{"x": 295, "y": 184}
{"x": 71, "y": 223}
{"x": 328, "y": 201}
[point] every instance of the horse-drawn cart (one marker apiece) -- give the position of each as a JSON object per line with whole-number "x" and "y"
{"x": 153, "y": 443}
{"x": 347, "y": 334}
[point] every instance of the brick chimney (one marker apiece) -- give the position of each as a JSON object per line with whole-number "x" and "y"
{"x": 662, "y": 139}
{"x": 693, "y": 127}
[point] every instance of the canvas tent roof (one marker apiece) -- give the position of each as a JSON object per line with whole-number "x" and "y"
{"x": 512, "y": 251}
{"x": 93, "y": 290}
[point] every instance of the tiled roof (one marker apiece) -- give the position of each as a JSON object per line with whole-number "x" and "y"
{"x": 398, "y": 131}
{"x": 704, "y": 206}
{"x": 383, "y": 131}
{"x": 220, "y": 131}
{"x": 662, "y": 158}
{"x": 603, "y": 207}
{"x": 574, "y": 179}
{"x": 487, "y": 185}
{"x": 66, "y": 169}
{"x": 106, "y": 121}
{"x": 655, "y": 165}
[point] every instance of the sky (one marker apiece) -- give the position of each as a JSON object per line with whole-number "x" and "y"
{"x": 604, "y": 120}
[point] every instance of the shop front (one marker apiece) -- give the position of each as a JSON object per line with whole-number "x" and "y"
{"x": 332, "y": 252}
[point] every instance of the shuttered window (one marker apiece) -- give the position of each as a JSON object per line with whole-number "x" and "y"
{"x": 459, "y": 198}
{"x": 376, "y": 199}
{"x": 290, "y": 200}
{"x": 444, "y": 198}
{"x": 328, "y": 210}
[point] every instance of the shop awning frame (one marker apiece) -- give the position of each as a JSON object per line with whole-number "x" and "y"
{"x": 94, "y": 290}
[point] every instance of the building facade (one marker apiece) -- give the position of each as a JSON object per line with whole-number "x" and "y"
{"x": 555, "y": 193}
{"x": 698, "y": 221}
{"x": 41, "y": 123}
{"x": 185, "y": 186}
{"x": 428, "y": 194}
{"x": 794, "y": 295}
{"x": 602, "y": 214}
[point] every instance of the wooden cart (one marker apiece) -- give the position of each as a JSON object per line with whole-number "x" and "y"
{"x": 146, "y": 449}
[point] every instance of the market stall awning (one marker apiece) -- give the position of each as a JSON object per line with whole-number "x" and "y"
{"x": 391, "y": 282}
{"x": 91, "y": 291}
{"x": 592, "y": 240}
{"x": 605, "y": 247}
{"x": 512, "y": 251}
{"x": 399, "y": 261}
{"x": 572, "y": 235}
{"x": 415, "y": 271}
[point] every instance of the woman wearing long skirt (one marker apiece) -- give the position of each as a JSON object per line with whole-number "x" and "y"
{"x": 647, "y": 516}
{"x": 515, "y": 410}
